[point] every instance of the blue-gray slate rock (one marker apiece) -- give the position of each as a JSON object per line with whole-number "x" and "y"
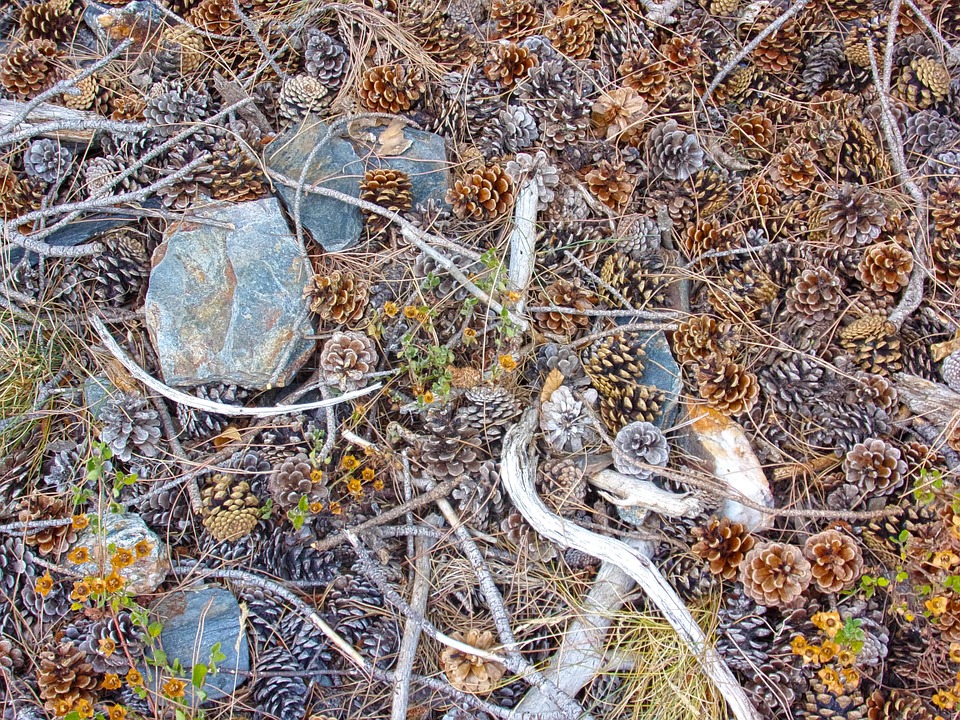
{"x": 97, "y": 390}
{"x": 424, "y": 160}
{"x": 661, "y": 371}
{"x": 225, "y": 300}
{"x": 194, "y": 620}
{"x": 332, "y": 223}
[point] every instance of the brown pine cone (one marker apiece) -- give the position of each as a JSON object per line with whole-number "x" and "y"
{"x": 292, "y": 479}
{"x": 48, "y": 541}
{"x": 760, "y": 194}
{"x": 701, "y": 336}
{"x": 572, "y": 32}
{"x": 469, "y": 673}
{"x": 565, "y": 294}
{"x": 703, "y": 236}
{"x": 484, "y": 194}
{"x": 835, "y": 558}
{"x": 88, "y": 88}
{"x": 854, "y": 215}
{"x": 775, "y": 574}
{"x": 230, "y": 510}
{"x": 340, "y": 297}
{"x": 618, "y": 115}
{"x": 507, "y": 63}
{"x": 617, "y": 357}
{"x": 64, "y": 678}
{"x": 815, "y": 296}
{"x": 874, "y": 344}
{"x": 452, "y": 453}
{"x": 234, "y": 175}
{"x": 562, "y": 485}
{"x": 923, "y": 83}
{"x": 346, "y": 357}
{"x": 611, "y": 185}
{"x": 638, "y": 282}
{"x": 752, "y": 131}
{"x": 779, "y": 53}
{"x": 850, "y": 9}
{"x": 51, "y": 20}
{"x": 27, "y": 69}
{"x": 390, "y": 189}
{"x": 390, "y": 88}
{"x": 646, "y": 76}
{"x": 945, "y": 208}
{"x": 723, "y": 544}
{"x": 875, "y": 466}
{"x": 215, "y": 16}
{"x": 885, "y": 268}
{"x": 515, "y": 19}
{"x": 946, "y": 258}
{"x": 795, "y": 169}
{"x": 630, "y": 402}
{"x": 727, "y": 386}
{"x": 682, "y": 52}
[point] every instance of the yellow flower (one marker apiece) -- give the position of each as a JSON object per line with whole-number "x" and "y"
{"x": 378, "y": 485}
{"x": 316, "y": 507}
{"x": 427, "y": 398}
{"x": 828, "y": 651}
{"x": 79, "y": 522}
{"x": 798, "y": 645}
{"x": 96, "y": 584}
{"x": 83, "y": 708}
{"x": 811, "y": 654}
{"x": 117, "y": 712}
{"x": 113, "y": 582}
{"x": 422, "y": 315}
{"x": 469, "y": 336}
{"x": 955, "y": 652}
{"x": 44, "y": 585}
{"x": 513, "y": 296}
{"x": 316, "y": 475}
{"x": 335, "y": 508}
{"x": 134, "y": 678}
{"x": 349, "y": 462}
{"x": 61, "y": 706}
{"x": 143, "y": 548}
{"x": 829, "y": 677}
{"x": 851, "y": 677}
{"x": 79, "y": 555}
{"x": 829, "y": 622}
{"x": 111, "y": 681}
{"x": 945, "y": 700}
{"x": 937, "y": 605}
{"x": 174, "y": 687}
{"x": 122, "y": 558}
{"x": 106, "y": 646}
{"x": 81, "y": 591}
{"x": 507, "y": 363}
{"x": 354, "y": 487}
{"x": 409, "y": 312}
{"x": 944, "y": 559}
{"x": 368, "y": 474}
{"x": 390, "y": 308}
{"x": 846, "y": 658}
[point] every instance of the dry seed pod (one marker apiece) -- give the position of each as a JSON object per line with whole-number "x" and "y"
{"x": 612, "y": 185}
{"x": 340, "y": 297}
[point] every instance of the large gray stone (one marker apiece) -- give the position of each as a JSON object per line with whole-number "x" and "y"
{"x": 194, "y": 620}
{"x": 226, "y": 305}
{"x": 124, "y": 531}
{"x": 332, "y": 223}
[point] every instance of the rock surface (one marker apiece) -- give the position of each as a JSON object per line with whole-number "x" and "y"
{"x": 226, "y": 305}
{"x": 424, "y": 160}
{"x": 661, "y": 371}
{"x": 194, "y": 620}
{"x": 124, "y": 530}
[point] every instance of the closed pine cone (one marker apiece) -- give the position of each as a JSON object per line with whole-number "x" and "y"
{"x": 835, "y": 558}
{"x": 230, "y": 510}
{"x": 390, "y": 189}
{"x": 469, "y": 673}
{"x": 629, "y": 402}
{"x": 700, "y": 336}
{"x": 562, "y": 485}
{"x": 723, "y": 544}
{"x": 390, "y": 88}
{"x": 508, "y": 63}
{"x": 340, "y": 296}
{"x": 28, "y": 69}
{"x": 727, "y": 386}
{"x": 611, "y": 185}
{"x": 775, "y": 574}
{"x": 885, "y": 268}
{"x": 565, "y": 294}
{"x": 64, "y": 677}
{"x": 615, "y": 357}
{"x": 484, "y": 194}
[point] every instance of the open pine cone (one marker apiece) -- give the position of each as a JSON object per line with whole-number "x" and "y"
{"x": 565, "y": 294}
{"x": 390, "y": 189}
{"x": 340, "y": 297}
{"x": 875, "y": 466}
{"x": 230, "y": 510}
{"x": 52, "y": 540}
{"x": 572, "y": 32}
{"x": 515, "y": 19}
{"x": 727, "y": 386}
{"x": 835, "y": 558}
{"x": 390, "y": 88}
{"x": 874, "y": 344}
{"x": 65, "y": 679}
{"x": 611, "y": 184}
{"x": 469, "y": 673}
{"x": 885, "y": 268}
{"x": 775, "y": 574}
{"x": 346, "y": 357}
{"x": 723, "y": 544}
{"x": 700, "y": 336}
{"x": 815, "y": 296}
{"x": 855, "y": 215}
{"x": 27, "y": 69}
{"x": 508, "y": 63}
{"x": 484, "y": 194}
{"x": 638, "y": 445}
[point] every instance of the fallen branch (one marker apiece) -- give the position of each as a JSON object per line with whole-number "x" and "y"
{"x": 626, "y": 491}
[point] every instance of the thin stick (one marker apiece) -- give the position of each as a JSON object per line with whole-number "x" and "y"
{"x": 953, "y": 52}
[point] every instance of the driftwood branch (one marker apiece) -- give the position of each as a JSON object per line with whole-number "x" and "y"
{"x": 626, "y": 491}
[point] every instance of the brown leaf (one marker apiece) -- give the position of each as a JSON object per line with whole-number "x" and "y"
{"x": 392, "y": 141}
{"x": 551, "y": 384}
{"x": 231, "y": 434}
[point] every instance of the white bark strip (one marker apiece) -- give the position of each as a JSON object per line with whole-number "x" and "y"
{"x": 523, "y": 239}
{"x": 518, "y": 470}
{"x": 627, "y": 491}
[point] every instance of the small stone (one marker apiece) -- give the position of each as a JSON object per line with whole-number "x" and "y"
{"x": 129, "y": 532}
{"x": 194, "y": 620}
{"x": 226, "y": 305}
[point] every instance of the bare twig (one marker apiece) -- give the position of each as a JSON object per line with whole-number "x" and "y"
{"x": 952, "y": 52}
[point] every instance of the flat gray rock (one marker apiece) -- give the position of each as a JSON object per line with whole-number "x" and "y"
{"x": 125, "y": 531}
{"x": 226, "y": 305}
{"x": 194, "y": 620}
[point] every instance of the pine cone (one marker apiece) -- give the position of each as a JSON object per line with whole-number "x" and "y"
{"x": 230, "y": 510}
{"x": 48, "y": 541}
{"x": 325, "y": 59}
{"x": 815, "y": 296}
{"x": 795, "y": 169}
{"x": 171, "y": 104}
{"x": 294, "y": 478}
{"x": 279, "y": 694}
{"x": 835, "y": 558}
{"x": 823, "y": 702}
{"x": 130, "y": 425}
{"x": 198, "y": 424}
{"x": 752, "y": 131}
{"x": 638, "y": 445}
{"x": 515, "y": 19}
{"x": 47, "y": 160}
{"x": 565, "y": 294}
{"x": 727, "y": 386}
{"x": 484, "y": 194}
{"x": 302, "y": 95}
{"x": 775, "y": 574}
{"x": 619, "y": 114}
{"x": 181, "y": 51}
{"x": 821, "y": 62}
{"x": 388, "y": 188}
{"x": 874, "y": 466}
{"x": 27, "y": 69}
{"x": 508, "y": 63}
{"x": 950, "y": 370}
{"x": 673, "y": 152}
{"x": 215, "y": 16}
{"x": 234, "y": 175}
{"x": 923, "y": 83}
{"x": 615, "y": 357}
{"x": 792, "y": 380}
{"x": 945, "y": 209}
{"x": 390, "y": 88}
{"x": 778, "y": 53}
{"x": 874, "y": 344}
{"x": 469, "y": 673}
{"x": 855, "y": 215}
{"x": 64, "y": 678}
{"x": 340, "y": 297}
{"x": 452, "y": 452}
{"x": 346, "y": 357}
{"x": 488, "y": 409}
{"x": 928, "y": 132}
{"x": 110, "y": 641}
{"x": 572, "y": 32}
{"x": 562, "y": 485}
{"x": 850, "y": 9}
{"x": 525, "y": 539}
{"x": 191, "y": 187}
{"x": 723, "y": 544}
{"x": 565, "y": 422}
{"x": 701, "y": 336}
{"x": 885, "y": 268}
{"x": 51, "y": 20}
{"x": 612, "y": 185}
{"x": 564, "y": 124}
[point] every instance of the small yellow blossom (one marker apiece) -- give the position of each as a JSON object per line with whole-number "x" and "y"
{"x": 378, "y": 485}
{"x": 111, "y": 681}
{"x": 335, "y": 508}
{"x": 937, "y": 605}
{"x": 513, "y": 296}
{"x": 116, "y": 712}
{"x": 349, "y": 462}
{"x": 944, "y": 559}
{"x": 390, "y": 308}
{"x": 142, "y": 548}
{"x": 354, "y": 487}
{"x": 507, "y": 363}
{"x": 945, "y": 700}
{"x": 113, "y": 582}
{"x": 79, "y": 555}
{"x": 174, "y": 687}
{"x": 851, "y": 678}
{"x": 97, "y": 586}
{"x": 798, "y": 645}
{"x": 469, "y": 336}
{"x": 829, "y": 677}
{"x": 79, "y": 522}
{"x": 846, "y": 658}
{"x": 409, "y": 312}
{"x": 368, "y": 474}
{"x": 122, "y": 558}
{"x": 81, "y": 591}
{"x": 427, "y": 398}
{"x": 811, "y": 654}
{"x": 955, "y": 652}
{"x": 828, "y": 651}
{"x": 106, "y": 646}
{"x": 134, "y": 678}
{"x": 422, "y": 315}
{"x": 61, "y": 706}
{"x": 316, "y": 475}
{"x": 828, "y": 622}
{"x": 44, "y": 585}
{"x": 316, "y": 507}
{"x": 83, "y": 708}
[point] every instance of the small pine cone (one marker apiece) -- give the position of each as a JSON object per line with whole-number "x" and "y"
{"x": 629, "y": 402}
{"x": 191, "y": 187}
{"x": 792, "y": 380}
{"x": 950, "y": 370}
{"x": 130, "y": 425}
{"x": 508, "y": 63}
{"x": 752, "y": 131}
{"x": 565, "y": 294}
{"x": 572, "y": 33}
{"x": 51, "y": 20}
{"x": 390, "y": 189}
{"x": 615, "y": 357}
{"x": 923, "y": 83}
{"x": 778, "y": 53}
{"x": 47, "y": 160}
{"x": 110, "y": 641}
{"x": 172, "y": 104}
{"x": 874, "y": 344}
{"x": 727, "y": 386}
{"x": 115, "y": 277}
{"x": 855, "y": 215}
{"x": 875, "y": 466}
{"x": 821, "y": 62}
{"x": 230, "y": 510}
{"x": 775, "y": 574}
{"x": 325, "y": 59}
{"x": 701, "y": 336}
{"x": 181, "y": 51}
{"x": 294, "y": 478}
{"x": 794, "y": 169}
{"x": 525, "y": 539}
{"x": 48, "y": 541}
{"x": 703, "y": 236}
{"x": 452, "y": 454}
{"x": 928, "y": 132}
{"x": 488, "y": 409}
{"x": 340, "y": 297}
{"x": 674, "y": 153}
{"x": 27, "y": 69}
{"x": 484, "y": 194}
{"x": 611, "y": 185}
{"x": 515, "y": 19}
{"x": 723, "y": 544}
{"x": 649, "y": 79}
{"x": 301, "y": 95}
{"x": 836, "y": 702}
{"x": 637, "y": 446}
{"x": 346, "y": 357}
{"x": 64, "y": 677}
{"x": 234, "y": 175}
{"x": 945, "y": 208}
{"x": 618, "y": 115}
{"x": 885, "y": 268}
{"x": 469, "y": 673}
{"x": 562, "y": 485}
{"x": 815, "y": 296}
{"x": 835, "y": 558}
{"x": 390, "y": 88}
{"x": 88, "y": 88}
{"x": 565, "y": 423}
{"x": 515, "y": 129}
{"x": 215, "y": 16}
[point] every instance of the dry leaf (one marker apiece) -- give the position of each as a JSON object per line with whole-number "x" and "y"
{"x": 392, "y": 141}
{"x": 940, "y": 350}
{"x": 231, "y": 434}
{"x": 551, "y": 384}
